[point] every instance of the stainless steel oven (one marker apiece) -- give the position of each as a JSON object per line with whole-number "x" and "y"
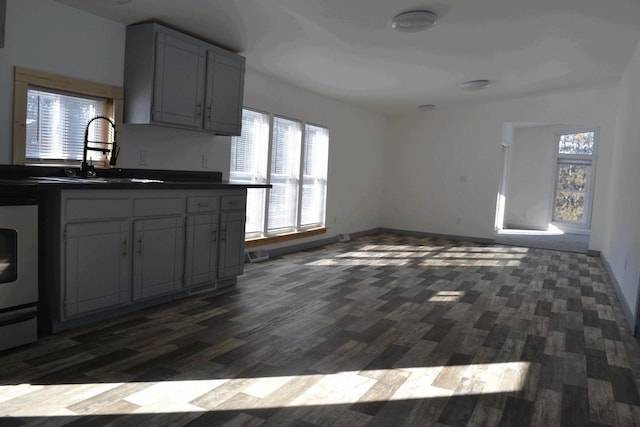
{"x": 18, "y": 265}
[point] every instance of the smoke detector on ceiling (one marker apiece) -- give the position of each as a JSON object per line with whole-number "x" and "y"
{"x": 475, "y": 84}
{"x": 413, "y": 21}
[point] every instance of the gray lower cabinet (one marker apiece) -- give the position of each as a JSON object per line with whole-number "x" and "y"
{"x": 114, "y": 251}
{"x": 96, "y": 269}
{"x": 201, "y": 256}
{"x": 232, "y": 226}
{"x": 158, "y": 256}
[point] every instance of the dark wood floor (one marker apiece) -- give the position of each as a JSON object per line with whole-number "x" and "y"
{"x": 383, "y": 330}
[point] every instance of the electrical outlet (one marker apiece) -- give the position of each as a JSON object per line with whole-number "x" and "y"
{"x": 143, "y": 157}
{"x": 458, "y": 220}
{"x": 205, "y": 161}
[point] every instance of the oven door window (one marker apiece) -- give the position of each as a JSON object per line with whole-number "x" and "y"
{"x": 8, "y": 255}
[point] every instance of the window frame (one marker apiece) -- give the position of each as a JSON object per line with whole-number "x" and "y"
{"x": 296, "y": 227}
{"x": 24, "y": 78}
{"x": 303, "y": 156}
{"x": 260, "y": 234}
{"x": 575, "y": 159}
{"x": 298, "y": 231}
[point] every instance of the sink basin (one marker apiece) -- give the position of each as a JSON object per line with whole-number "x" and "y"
{"x": 98, "y": 180}
{"x": 122, "y": 180}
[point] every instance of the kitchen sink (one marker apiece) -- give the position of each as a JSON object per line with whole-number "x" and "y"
{"x": 98, "y": 180}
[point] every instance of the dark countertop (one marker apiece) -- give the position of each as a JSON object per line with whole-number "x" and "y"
{"x": 56, "y": 178}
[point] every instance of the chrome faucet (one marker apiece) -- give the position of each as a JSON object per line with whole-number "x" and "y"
{"x": 86, "y": 169}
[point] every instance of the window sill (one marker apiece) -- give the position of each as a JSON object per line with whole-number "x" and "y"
{"x": 284, "y": 237}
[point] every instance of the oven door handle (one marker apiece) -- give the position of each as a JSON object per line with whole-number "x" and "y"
{"x": 18, "y": 319}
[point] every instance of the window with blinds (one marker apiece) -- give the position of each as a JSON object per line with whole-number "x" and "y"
{"x": 291, "y": 156}
{"x": 55, "y": 127}
{"x": 249, "y": 156}
{"x": 285, "y": 174}
{"x": 314, "y": 181}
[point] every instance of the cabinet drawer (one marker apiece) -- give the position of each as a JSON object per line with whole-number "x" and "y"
{"x": 79, "y": 209}
{"x": 230, "y": 203}
{"x": 203, "y": 204}
{"x": 158, "y": 207}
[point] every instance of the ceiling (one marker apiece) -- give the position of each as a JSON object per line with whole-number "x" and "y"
{"x": 346, "y": 49}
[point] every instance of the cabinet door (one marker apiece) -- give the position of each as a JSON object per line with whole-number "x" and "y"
{"x": 231, "y": 259}
{"x": 158, "y": 256}
{"x": 96, "y": 266}
{"x": 225, "y": 91}
{"x": 179, "y": 80}
{"x": 201, "y": 257}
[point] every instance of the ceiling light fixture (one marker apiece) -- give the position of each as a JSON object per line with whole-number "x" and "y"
{"x": 413, "y": 21}
{"x": 426, "y": 107}
{"x": 475, "y": 84}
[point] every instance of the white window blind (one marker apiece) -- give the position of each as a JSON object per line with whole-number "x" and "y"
{"x": 56, "y": 124}
{"x": 314, "y": 182}
{"x": 285, "y": 174}
{"x": 272, "y": 150}
{"x": 249, "y": 157}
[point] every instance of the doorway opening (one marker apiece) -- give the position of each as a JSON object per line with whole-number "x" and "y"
{"x": 546, "y": 186}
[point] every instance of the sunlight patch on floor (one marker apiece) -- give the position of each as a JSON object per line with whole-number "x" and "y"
{"x": 447, "y": 296}
{"x": 383, "y": 262}
{"x": 341, "y": 388}
{"x": 552, "y": 230}
{"x": 400, "y": 255}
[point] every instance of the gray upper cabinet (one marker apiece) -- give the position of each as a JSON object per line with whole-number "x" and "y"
{"x": 225, "y": 89}
{"x": 176, "y": 80}
{"x": 179, "y": 80}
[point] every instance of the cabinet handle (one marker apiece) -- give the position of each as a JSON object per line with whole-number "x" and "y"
{"x": 209, "y": 111}
{"x": 124, "y": 244}
{"x": 223, "y": 234}
{"x": 198, "y": 109}
{"x": 140, "y": 246}
{"x": 214, "y": 235}
{"x": 203, "y": 204}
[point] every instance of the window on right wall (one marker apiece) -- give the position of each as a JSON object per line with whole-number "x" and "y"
{"x": 292, "y": 156}
{"x": 573, "y": 195}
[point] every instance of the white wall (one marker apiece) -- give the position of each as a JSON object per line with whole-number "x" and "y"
{"x": 531, "y": 178}
{"x": 622, "y": 240}
{"x": 443, "y": 166}
{"x": 356, "y": 140}
{"x": 51, "y": 37}
{"x": 47, "y": 36}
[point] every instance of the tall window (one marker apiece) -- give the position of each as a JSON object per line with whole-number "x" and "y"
{"x": 314, "y": 185}
{"x": 51, "y": 113}
{"x": 574, "y": 178}
{"x": 291, "y": 156}
{"x": 249, "y": 156}
{"x": 286, "y": 145}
